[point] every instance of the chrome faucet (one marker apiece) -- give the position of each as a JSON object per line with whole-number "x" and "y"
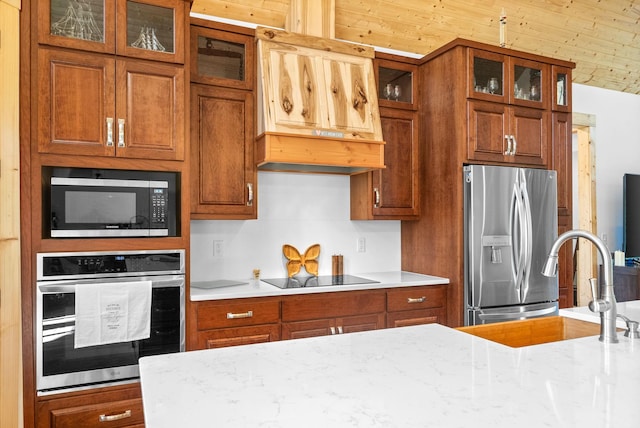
{"x": 605, "y": 302}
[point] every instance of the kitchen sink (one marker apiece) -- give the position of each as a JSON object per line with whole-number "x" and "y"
{"x": 534, "y": 331}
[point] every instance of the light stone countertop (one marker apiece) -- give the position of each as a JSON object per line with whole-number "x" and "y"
{"x": 263, "y": 289}
{"x": 630, "y": 310}
{"x": 421, "y": 376}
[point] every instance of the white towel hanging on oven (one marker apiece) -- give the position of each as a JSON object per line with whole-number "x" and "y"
{"x": 112, "y": 312}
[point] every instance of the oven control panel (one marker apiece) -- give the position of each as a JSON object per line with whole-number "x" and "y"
{"x": 101, "y": 264}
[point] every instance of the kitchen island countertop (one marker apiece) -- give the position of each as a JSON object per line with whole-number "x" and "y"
{"x": 262, "y": 289}
{"x": 420, "y": 376}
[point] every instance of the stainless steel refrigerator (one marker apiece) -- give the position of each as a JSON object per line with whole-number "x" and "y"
{"x": 511, "y": 222}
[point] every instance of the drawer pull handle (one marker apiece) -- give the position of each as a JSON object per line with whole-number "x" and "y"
{"x": 231, "y": 316}
{"x": 416, "y": 300}
{"x": 340, "y": 330}
{"x": 333, "y": 330}
{"x": 109, "y": 418}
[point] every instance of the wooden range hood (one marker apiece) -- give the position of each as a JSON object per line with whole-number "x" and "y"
{"x": 317, "y": 106}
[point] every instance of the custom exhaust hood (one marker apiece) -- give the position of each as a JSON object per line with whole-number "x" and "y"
{"x": 317, "y": 105}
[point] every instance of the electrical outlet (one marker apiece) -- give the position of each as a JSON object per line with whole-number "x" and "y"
{"x": 218, "y": 248}
{"x": 362, "y": 245}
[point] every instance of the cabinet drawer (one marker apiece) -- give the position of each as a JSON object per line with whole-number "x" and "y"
{"x": 417, "y": 317}
{"x": 331, "y": 305}
{"x": 116, "y": 414}
{"x": 415, "y": 298}
{"x": 237, "y": 313}
{"x": 224, "y": 337}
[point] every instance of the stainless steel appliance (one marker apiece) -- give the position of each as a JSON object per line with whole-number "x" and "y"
{"x": 59, "y": 364}
{"x": 111, "y": 203}
{"x": 510, "y": 224}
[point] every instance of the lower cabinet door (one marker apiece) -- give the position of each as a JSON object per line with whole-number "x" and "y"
{"x": 313, "y": 328}
{"x": 415, "y": 317}
{"x": 326, "y": 327}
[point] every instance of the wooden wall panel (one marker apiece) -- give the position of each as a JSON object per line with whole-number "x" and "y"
{"x": 599, "y": 36}
{"x": 10, "y": 307}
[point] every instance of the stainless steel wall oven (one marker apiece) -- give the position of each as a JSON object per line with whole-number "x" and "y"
{"x": 59, "y": 363}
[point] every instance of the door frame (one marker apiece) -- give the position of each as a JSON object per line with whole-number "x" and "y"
{"x": 584, "y": 202}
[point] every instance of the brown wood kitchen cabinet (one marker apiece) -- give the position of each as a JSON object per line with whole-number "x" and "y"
{"x": 392, "y": 192}
{"x": 508, "y": 103}
{"x": 464, "y": 121}
{"x": 221, "y": 323}
{"x": 145, "y": 29}
{"x": 322, "y": 314}
{"x": 97, "y": 105}
{"x": 224, "y": 178}
{"x": 112, "y": 105}
{"x": 562, "y": 156}
{"x": 118, "y": 406}
{"x": 416, "y": 305}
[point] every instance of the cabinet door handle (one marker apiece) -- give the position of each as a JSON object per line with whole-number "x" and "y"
{"x": 515, "y": 145}
{"x": 376, "y": 197}
{"x": 249, "y": 194}
{"x": 120, "y": 132}
{"x": 231, "y": 316}
{"x": 416, "y": 299}
{"x": 109, "y": 132}
{"x": 333, "y": 330}
{"x": 508, "y": 138}
{"x": 109, "y": 418}
{"x": 340, "y": 330}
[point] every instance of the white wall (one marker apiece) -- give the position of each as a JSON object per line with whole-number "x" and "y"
{"x": 296, "y": 209}
{"x": 617, "y": 142}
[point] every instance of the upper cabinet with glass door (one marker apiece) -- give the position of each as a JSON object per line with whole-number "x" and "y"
{"x": 508, "y": 80}
{"x": 149, "y": 29}
{"x": 561, "y": 88}
{"x": 396, "y": 85}
{"x": 222, "y": 58}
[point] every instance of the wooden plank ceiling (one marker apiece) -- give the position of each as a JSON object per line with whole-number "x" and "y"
{"x": 600, "y": 36}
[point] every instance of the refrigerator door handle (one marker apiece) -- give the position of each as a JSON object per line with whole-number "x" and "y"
{"x": 519, "y": 238}
{"x": 516, "y": 315}
{"x": 528, "y": 233}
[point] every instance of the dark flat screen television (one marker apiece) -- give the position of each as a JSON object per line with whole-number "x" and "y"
{"x": 631, "y": 215}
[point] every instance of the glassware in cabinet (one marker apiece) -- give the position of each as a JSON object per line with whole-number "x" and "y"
{"x": 396, "y": 83}
{"x": 487, "y": 77}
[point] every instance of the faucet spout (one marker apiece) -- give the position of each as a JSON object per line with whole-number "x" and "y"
{"x": 605, "y": 303}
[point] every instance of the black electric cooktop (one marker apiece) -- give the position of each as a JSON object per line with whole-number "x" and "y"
{"x": 318, "y": 281}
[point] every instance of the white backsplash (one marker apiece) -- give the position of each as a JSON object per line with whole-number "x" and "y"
{"x": 296, "y": 209}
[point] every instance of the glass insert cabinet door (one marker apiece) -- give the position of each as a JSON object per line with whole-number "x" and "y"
{"x": 396, "y": 83}
{"x": 151, "y": 29}
{"x": 530, "y": 83}
{"x": 488, "y": 76}
{"x": 222, "y": 58}
{"x": 561, "y": 88}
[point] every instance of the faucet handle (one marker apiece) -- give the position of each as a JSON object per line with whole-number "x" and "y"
{"x": 593, "y": 282}
{"x": 632, "y": 328}
{"x": 597, "y": 304}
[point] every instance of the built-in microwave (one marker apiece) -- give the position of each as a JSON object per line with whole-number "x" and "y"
{"x": 111, "y": 203}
